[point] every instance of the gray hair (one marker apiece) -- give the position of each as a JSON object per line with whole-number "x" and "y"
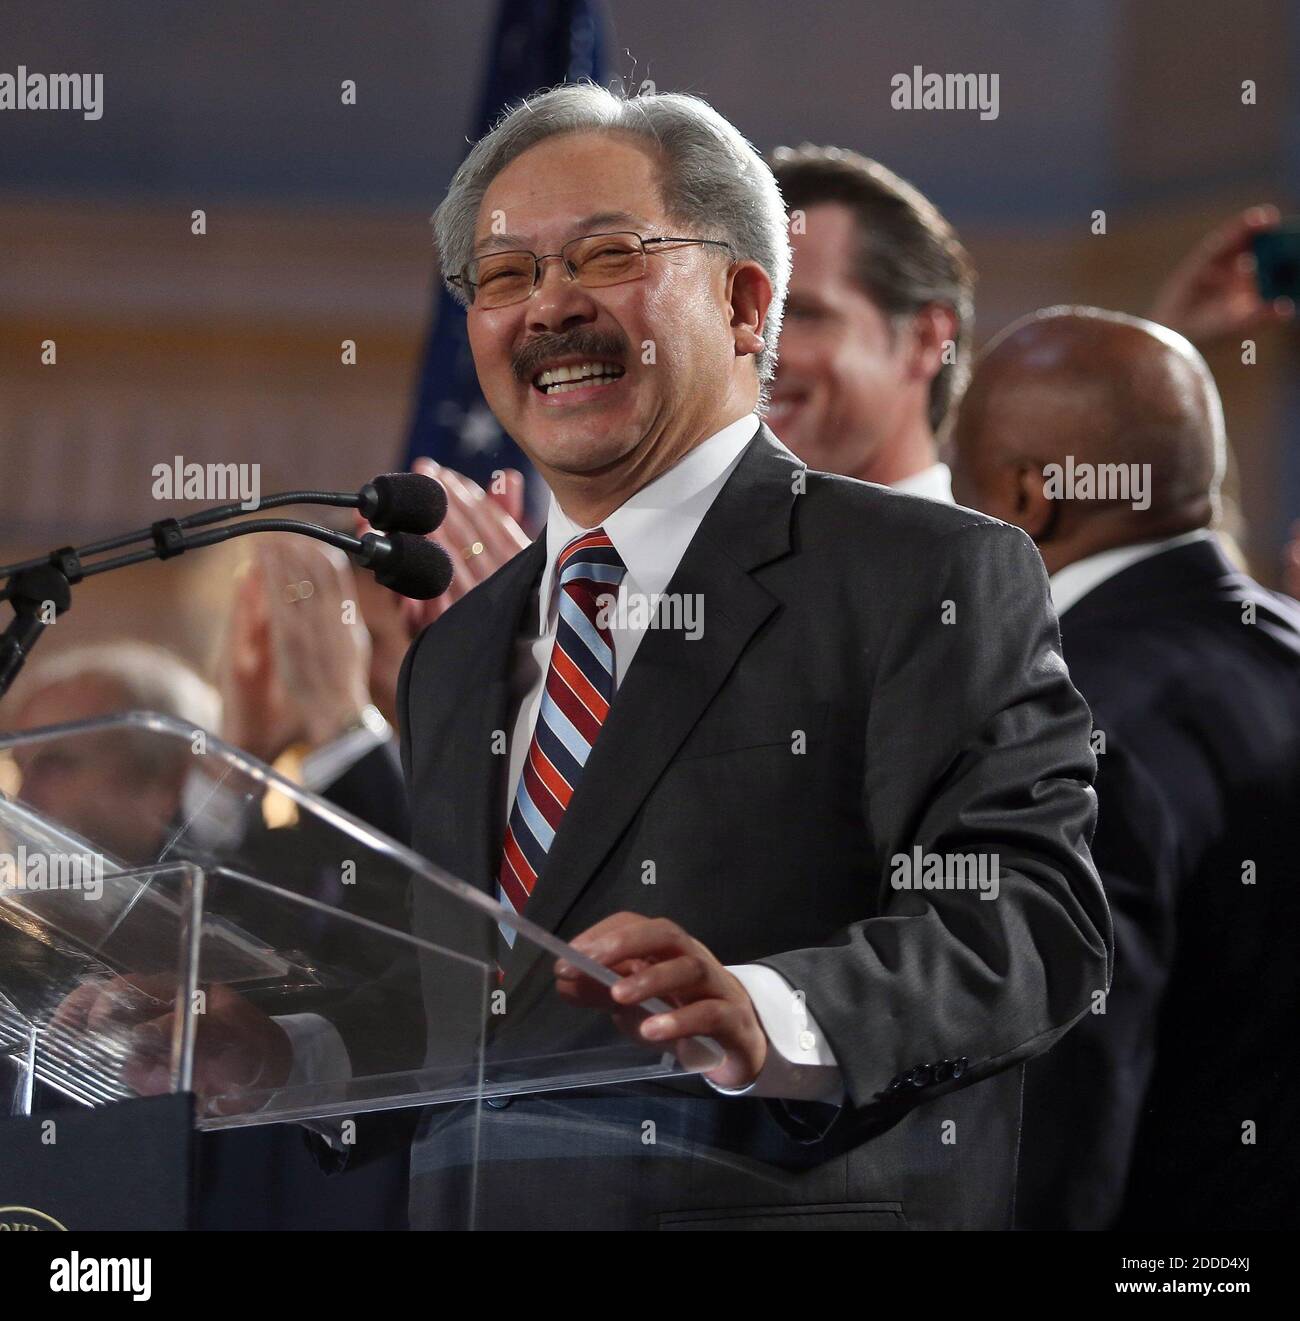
{"x": 149, "y": 678}
{"x": 712, "y": 178}
{"x": 142, "y": 677}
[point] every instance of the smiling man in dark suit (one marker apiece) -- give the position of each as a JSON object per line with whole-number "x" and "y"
{"x": 858, "y": 683}
{"x": 796, "y": 754}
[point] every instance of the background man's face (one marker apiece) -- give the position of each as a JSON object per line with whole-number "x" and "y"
{"x": 842, "y": 389}
{"x": 669, "y": 331}
{"x": 87, "y": 782}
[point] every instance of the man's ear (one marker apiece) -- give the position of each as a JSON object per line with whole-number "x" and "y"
{"x": 749, "y": 294}
{"x": 1035, "y": 510}
{"x": 934, "y": 330}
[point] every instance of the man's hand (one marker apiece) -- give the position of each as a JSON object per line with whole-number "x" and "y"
{"x": 388, "y": 621}
{"x": 237, "y": 1048}
{"x": 1291, "y": 563}
{"x": 481, "y": 532}
{"x": 655, "y": 957}
{"x": 1212, "y": 294}
{"x": 292, "y": 671}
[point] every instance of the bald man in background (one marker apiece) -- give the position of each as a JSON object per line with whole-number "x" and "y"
{"x": 1175, "y": 1108}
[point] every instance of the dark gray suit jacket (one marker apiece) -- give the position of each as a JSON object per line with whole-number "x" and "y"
{"x": 916, "y": 647}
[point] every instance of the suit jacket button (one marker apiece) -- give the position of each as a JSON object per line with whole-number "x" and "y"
{"x": 921, "y": 1076}
{"x": 497, "y": 1102}
{"x": 959, "y": 1066}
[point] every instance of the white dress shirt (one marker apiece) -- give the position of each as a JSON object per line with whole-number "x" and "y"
{"x": 651, "y": 532}
{"x": 1072, "y": 583}
{"x": 934, "y": 482}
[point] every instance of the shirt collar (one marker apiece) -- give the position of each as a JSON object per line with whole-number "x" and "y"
{"x": 1072, "y": 583}
{"x": 652, "y": 529}
{"x": 934, "y": 482}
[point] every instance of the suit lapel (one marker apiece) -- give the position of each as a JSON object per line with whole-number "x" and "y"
{"x": 483, "y": 697}
{"x": 672, "y": 678}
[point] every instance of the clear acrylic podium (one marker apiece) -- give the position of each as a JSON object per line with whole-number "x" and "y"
{"x": 166, "y": 900}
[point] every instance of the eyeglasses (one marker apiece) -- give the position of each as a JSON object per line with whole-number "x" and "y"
{"x": 499, "y": 279}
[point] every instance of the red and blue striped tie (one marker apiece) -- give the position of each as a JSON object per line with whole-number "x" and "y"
{"x": 575, "y": 701}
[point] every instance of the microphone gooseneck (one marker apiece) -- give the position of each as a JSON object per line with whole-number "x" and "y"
{"x": 403, "y": 505}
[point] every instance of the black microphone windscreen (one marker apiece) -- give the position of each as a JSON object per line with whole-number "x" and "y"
{"x": 416, "y": 568}
{"x": 403, "y": 502}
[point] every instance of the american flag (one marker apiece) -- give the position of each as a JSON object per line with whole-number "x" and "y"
{"x": 536, "y": 44}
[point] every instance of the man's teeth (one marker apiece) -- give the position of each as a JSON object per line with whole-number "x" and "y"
{"x": 558, "y": 380}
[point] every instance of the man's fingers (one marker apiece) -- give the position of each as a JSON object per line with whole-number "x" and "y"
{"x": 578, "y": 988}
{"x": 462, "y": 580}
{"x": 473, "y": 519}
{"x": 73, "y": 1013}
{"x": 584, "y": 991}
{"x": 147, "y": 1068}
{"x": 593, "y": 942}
{"x": 1234, "y": 236}
{"x": 496, "y": 528}
{"x": 147, "y": 1078}
{"x": 656, "y": 938}
{"x": 717, "y": 1018}
{"x": 327, "y": 569}
{"x": 677, "y": 976}
{"x": 511, "y": 498}
{"x": 627, "y": 968}
{"x": 300, "y": 561}
{"x": 480, "y": 545}
{"x": 247, "y": 628}
{"x": 491, "y": 523}
{"x": 115, "y": 1012}
{"x": 459, "y": 536}
{"x": 1263, "y": 216}
{"x": 314, "y": 644}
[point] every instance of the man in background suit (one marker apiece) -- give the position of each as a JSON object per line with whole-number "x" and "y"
{"x": 878, "y": 322}
{"x": 1186, "y": 1087}
{"x": 875, "y": 347}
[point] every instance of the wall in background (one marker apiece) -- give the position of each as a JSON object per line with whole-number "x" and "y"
{"x": 227, "y": 347}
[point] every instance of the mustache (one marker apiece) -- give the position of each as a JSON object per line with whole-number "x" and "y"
{"x": 589, "y": 343}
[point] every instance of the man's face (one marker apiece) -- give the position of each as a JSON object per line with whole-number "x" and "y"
{"x": 85, "y": 781}
{"x": 669, "y": 332}
{"x": 843, "y": 389}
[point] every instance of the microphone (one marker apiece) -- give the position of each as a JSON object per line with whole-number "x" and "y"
{"x": 403, "y": 502}
{"x": 408, "y": 564}
{"x": 402, "y": 561}
{"x": 393, "y": 502}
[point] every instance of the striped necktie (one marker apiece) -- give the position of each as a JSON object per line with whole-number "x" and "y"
{"x": 575, "y": 701}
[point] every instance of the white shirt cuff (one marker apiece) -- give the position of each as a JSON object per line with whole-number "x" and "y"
{"x": 319, "y": 1056}
{"x": 333, "y": 760}
{"x": 800, "y": 1064}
